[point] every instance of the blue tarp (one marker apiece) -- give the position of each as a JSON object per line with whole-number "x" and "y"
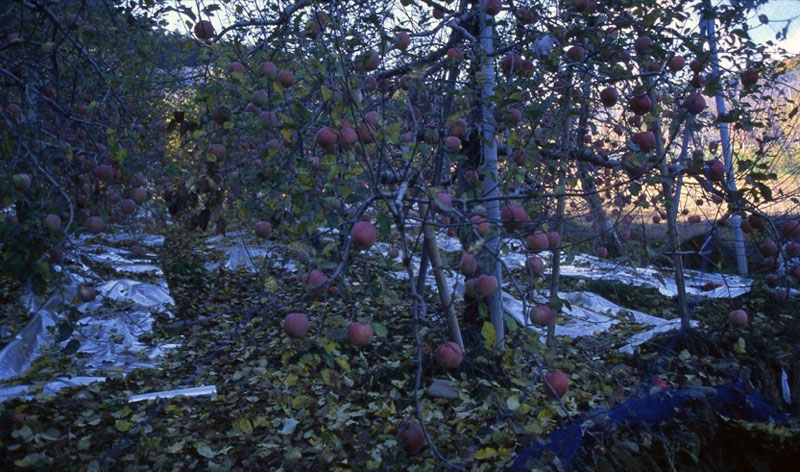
{"x": 650, "y": 408}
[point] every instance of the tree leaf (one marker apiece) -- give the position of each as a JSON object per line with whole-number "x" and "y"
{"x": 489, "y": 336}
{"x": 485, "y": 453}
{"x": 204, "y": 450}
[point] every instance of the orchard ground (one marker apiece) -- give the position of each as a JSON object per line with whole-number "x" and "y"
{"x": 320, "y": 402}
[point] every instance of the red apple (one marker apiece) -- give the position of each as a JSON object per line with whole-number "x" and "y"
{"x": 452, "y": 144}
{"x": 715, "y": 170}
{"x": 104, "y": 172}
{"x": 371, "y": 62}
{"x": 609, "y": 96}
{"x": 218, "y": 151}
{"x": 295, "y": 325}
{"x": 738, "y": 318}
{"x": 694, "y": 103}
{"x": 412, "y": 438}
{"x": 601, "y": 252}
{"x": 87, "y": 293}
{"x": 541, "y": 315}
{"x": 642, "y": 44}
{"x": 535, "y": 264}
{"x": 538, "y": 241}
{"x": 326, "y": 137}
{"x": 236, "y": 66}
{"x": 358, "y": 333}
{"x": 646, "y": 140}
{"x": 791, "y": 228}
{"x": 286, "y": 78}
{"x": 468, "y": 263}
{"x": 493, "y": 7}
{"x": 525, "y": 16}
{"x": 696, "y": 66}
{"x": 558, "y": 382}
{"x": 514, "y": 216}
{"x": 315, "y": 277}
{"x": 769, "y": 248}
{"x": 263, "y": 229}
{"x": 454, "y": 54}
{"x": 772, "y": 280}
{"x": 576, "y": 54}
{"x": 94, "y": 224}
{"x": 363, "y": 235}
{"x": 138, "y": 195}
{"x": 52, "y": 222}
{"x": 458, "y": 127}
{"x": 347, "y": 136}
{"x": 485, "y": 285}
{"x": 749, "y": 77}
{"x": 553, "y": 240}
{"x": 127, "y": 206}
{"x": 442, "y": 202}
{"x": 676, "y": 63}
{"x": 756, "y": 222}
{"x": 136, "y": 250}
{"x": 449, "y": 355}
{"x": 641, "y": 104}
{"x": 480, "y": 223}
{"x": 402, "y": 40}
{"x": 267, "y": 69}
{"x": 203, "y": 30}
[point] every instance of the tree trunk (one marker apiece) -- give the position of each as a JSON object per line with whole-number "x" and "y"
{"x": 432, "y": 249}
{"x": 672, "y": 218}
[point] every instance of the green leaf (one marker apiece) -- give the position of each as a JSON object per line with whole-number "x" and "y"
{"x": 739, "y": 346}
{"x": 243, "y": 425}
{"x": 204, "y": 450}
{"x": 123, "y": 425}
{"x": 379, "y": 329}
{"x": 512, "y": 403}
{"x": 177, "y": 447}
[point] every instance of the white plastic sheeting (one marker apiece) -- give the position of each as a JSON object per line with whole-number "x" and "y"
{"x": 202, "y": 390}
{"x": 588, "y": 313}
{"x": 108, "y": 334}
{"x": 243, "y": 251}
{"x": 591, "y": 267}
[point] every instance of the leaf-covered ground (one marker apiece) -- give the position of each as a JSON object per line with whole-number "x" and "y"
{"x": 320, "y": 402}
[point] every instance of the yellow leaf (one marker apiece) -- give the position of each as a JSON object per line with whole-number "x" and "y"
{"x": 485, "y": 453}
{"x": 343, "y": 364}
{"x": 488, "y": 334}
{"x": 291, "y": 379}
{"x": 327, "y": 344}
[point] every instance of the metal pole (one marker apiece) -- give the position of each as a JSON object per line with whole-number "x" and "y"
{"x": 707, "y": 24}
{"x": 489, "y": 150}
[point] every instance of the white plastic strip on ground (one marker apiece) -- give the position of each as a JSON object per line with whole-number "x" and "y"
{"x": 698, "y": 284}
{"x": 202, "y": 390}
{"x": 109, "y": 332}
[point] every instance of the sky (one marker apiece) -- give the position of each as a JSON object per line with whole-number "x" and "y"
{"x": 777, "y": 10}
